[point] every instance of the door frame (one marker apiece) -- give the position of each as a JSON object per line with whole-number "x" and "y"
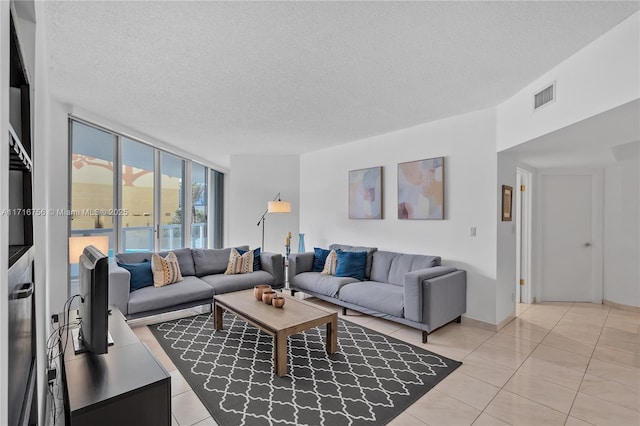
{"x": 524, "y": 209}
{"x": 597, "y": 228}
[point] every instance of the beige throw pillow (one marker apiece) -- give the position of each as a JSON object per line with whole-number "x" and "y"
{"x": 330, "y": 264}
{"x": 239, "y": 264}
{"x": 165, "y": 270}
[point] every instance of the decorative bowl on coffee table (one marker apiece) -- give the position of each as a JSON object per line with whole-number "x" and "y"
{"x": 259, "y": 289}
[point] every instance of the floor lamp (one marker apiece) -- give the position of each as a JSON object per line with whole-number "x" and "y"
{"x": 274, "y": 206}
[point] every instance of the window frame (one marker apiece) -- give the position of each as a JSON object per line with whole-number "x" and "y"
{"x": 214, "y": 213}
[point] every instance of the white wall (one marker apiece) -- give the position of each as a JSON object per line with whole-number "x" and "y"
{"x": 601, "y": 76}
{"x": 41, "y": 147}
{"x": 253, "y": 181}
{"x": 53, "y": 193}
{"x": 468, "y": 144}
{"x": 622, "y": 233}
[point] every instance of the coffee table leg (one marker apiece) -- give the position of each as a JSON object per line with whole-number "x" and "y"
{"x": 217, "y": 316}
{"x": 332, "y": 335}
{"x": 280, "y": 353}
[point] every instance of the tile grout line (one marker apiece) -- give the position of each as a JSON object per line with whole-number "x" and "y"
{"x": 518, "y": 368}
{"x": 589, "y": 363}
{"x": 578, "y": 390}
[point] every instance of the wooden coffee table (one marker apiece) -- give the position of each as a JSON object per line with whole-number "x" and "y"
{"x": 295, "y": 317}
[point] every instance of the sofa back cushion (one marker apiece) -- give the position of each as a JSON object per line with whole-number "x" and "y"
{"x": 140, "y": 274}
{"x": 212, "y": 261}
{"x": 319, "y": 259}
{"x": 185, "y": 260}
{"x": 390, "y": 267}
{"x": 369, "y": 250}
{"x": 351, "y": 264}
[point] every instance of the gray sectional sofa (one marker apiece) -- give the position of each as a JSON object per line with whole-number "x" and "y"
{"x": 203, "y": 273}
{"x": 414, "y": 290}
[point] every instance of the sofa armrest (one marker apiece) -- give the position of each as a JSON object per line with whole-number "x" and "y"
{"x": 299, "y": 263}
{"x": 425, "y": 290}
{"x": 273, "y": 264}
{"x": 119, "y": 287}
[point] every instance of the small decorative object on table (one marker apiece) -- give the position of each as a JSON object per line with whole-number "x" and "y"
{"x": 259, "y": 289}
{"x": 267, "y": 296}
{"x": 301, "y": 248}
{"x": 278, "y": 302}
{"x": 287, "y": 244}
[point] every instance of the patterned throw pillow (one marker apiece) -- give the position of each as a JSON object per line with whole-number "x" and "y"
{"x": 330, "y": 264}
{"x": 165, "y": 270}
{"x": 239, "y": 263}
{"x": 256, "y": 258}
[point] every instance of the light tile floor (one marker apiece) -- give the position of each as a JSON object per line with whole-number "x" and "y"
{"x": 556, "y": 363}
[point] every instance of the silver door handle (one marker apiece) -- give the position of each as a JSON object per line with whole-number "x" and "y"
{"x": 587, "y": 244}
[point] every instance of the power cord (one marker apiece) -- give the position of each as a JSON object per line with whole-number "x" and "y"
{"x": 55, "y": 349}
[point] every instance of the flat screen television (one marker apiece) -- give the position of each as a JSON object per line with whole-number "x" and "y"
{"x": 93, "y": 333}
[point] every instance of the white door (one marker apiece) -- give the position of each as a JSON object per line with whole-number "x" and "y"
{"x": 566, "y": 238}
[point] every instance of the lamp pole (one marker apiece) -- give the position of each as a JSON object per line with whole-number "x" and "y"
{"x": 275, "y": 210}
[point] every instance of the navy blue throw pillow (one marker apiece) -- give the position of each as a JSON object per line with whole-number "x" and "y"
{"x": 351, "y": 264}
{"x": 320, "y": 257}
{"x": 256, "y": 258}
{"x": 141, "y": 275}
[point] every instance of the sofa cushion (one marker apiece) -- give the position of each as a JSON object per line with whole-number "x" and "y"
{"x": 330, "y": 264}
{"x": 319, "y": 258}
{"x": 351, "y": 264}
{"x": 256, "y": 257}
{"x": 141, "y": 275}
{"x": 190, "y": 289}
{"x": 212, "y": 261}
{"x": 185, "y": 260}
{"x": 327, "y": 285}
{"x": 381, "y": 297}
{"x": 239, "y": 263}
{"x": 390, "y": 267}
{"x": 227, "y": 283}
{"x": 369, "y": 250}
{"x": 165, "y": 269}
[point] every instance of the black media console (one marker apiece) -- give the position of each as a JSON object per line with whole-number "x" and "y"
{"x": 126, "y": 386}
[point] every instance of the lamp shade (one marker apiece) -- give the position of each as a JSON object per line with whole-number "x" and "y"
{"x": 77, "y": 245}
{"x": 279, "y": 207}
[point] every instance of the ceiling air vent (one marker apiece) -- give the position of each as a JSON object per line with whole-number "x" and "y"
{"x": 544, "y": 96}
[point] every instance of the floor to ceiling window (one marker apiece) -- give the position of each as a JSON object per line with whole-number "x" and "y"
{"x": 172, "y": 195}
{"x": 92, "y": 188}
{"x": 139, "y": 197}
{"x": 199, "y": 204}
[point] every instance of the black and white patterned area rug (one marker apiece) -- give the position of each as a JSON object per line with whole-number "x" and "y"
{"x": 370, "y": 380}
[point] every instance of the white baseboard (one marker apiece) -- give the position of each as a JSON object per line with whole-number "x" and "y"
{"x": 620, "y": 306}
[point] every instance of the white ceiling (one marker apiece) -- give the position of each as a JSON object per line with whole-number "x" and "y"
{"x": 224, "y": 78}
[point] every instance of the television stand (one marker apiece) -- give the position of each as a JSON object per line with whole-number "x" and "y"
{"x": 78, "y": 341}
{"x": 126, "y": 386}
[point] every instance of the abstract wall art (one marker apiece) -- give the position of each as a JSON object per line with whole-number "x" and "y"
{"x": 365, "y": 193}
{"x": 421, "y": 189}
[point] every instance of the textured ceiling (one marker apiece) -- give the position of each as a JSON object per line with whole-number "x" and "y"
{"x": 223, "y": 78}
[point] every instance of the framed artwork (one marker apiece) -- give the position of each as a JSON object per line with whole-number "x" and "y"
{"x": 507, "y": 195}
{"x": 365, "y": 193}
{"x": 421, "y": 189}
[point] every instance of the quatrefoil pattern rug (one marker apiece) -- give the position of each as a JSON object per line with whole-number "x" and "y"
{"x": 370, "y": 380}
